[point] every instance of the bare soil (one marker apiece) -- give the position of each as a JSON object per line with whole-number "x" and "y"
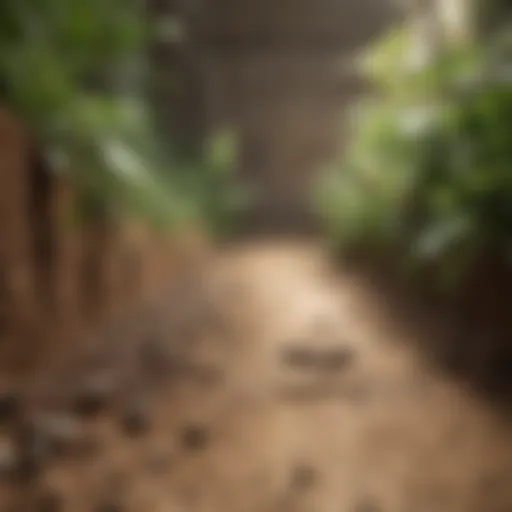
{"x": 273, "y": 382}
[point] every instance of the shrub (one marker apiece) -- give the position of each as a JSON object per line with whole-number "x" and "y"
{"x": 74, "y": 71}
{"x": 428, "y": 171}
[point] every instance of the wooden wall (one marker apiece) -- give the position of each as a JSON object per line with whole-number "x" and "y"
{"x": 59, "y": 277}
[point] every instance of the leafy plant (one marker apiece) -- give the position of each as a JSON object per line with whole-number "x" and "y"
{"x": 70, "y": 69}
{"x": 429, "y": 168}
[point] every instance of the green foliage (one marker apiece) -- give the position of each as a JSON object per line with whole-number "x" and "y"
{"x": 429, "y": 168}
{"x": 63, "y": 68}
{"x": 50, "y": 50}
{"x": 207, "y": 184}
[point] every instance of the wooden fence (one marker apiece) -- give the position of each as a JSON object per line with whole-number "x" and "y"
{"x": 58, "y": 277}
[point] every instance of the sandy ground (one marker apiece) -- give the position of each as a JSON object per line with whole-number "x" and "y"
{"x": 279, "y": 384}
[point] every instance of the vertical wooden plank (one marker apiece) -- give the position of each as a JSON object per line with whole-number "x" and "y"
{"x": 67, "y": 253}
{"x": 15, "y": 236}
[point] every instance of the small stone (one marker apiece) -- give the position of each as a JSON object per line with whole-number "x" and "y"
{"x": 338, "y": 358}
{"x": 313, "y": 358}
{"x": 304, "y": 477}
{"x": 34, "y": 452}
{"x": 195, "y": 436}
{"x": 30, "y": 465}
{"x": 368, "y": 505}
{"x": 94, "y": 396}
{"x": 61, "y": 433}
{"x": 10, "y": 405}
{"x": 156, "y": 358}
{"x": 41, "y": 439}
{"x": 50, "y": 501}
{"x": 8, "y": 458}
{"x": 135, "y": 421}
{"x": 109, "y": 506}
{"x": 299, "y": 356}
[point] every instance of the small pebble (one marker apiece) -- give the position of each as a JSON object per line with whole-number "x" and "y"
{"x": 135, "y": 421}
{"x": 109, "y": 506}
{"x": 195, "y": 436}
{"x": 10, "y": 405}
{"x": 35, "y": 451}
{"x": 156, "y": 358}
{"x": 299, "y": 356}
{"x": 313, "y": 358}
{"x": 304, "y": 477}
{"x": 94, "y": 396}
{"x": 41, "y": 439}
{"x": 50, "y": 501}
{"x": 338, "y": 358}
{"x": 61, "y": 433}
{"x": 8, "y": 458}
{"x": 30, "y": 465}
{"x": 368, "y": 505}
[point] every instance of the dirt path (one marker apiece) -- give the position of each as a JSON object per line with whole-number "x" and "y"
{"x": 295, "y": 392}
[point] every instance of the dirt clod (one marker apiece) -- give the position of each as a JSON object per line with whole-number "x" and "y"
{"x": 94, "y": 397}
{"x": 368, "y": 505}
{"x": 109, "y": 506}
{"x": 8, "y": 458}
{"x": 195, "y": 436}
{"x": 156, "y": 358}
{"x": 304, "y": 476}
{"x": 60, "y": 432}
{"x": 50, "y": 501}
{"x": 10, "y": 405}
{"x": 135, "y": 420}
{"x": 306, "y": 357}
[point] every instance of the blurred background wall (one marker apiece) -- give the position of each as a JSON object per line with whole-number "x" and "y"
{"x": 278, "y": 72}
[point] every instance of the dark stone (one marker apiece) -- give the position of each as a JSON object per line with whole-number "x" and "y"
{"x": 10, "y": 405}
{"x": 338, "y": 358}
{"x": 299, "y": 356}
{"x": 35, "y": 451}
{"x": 61, "y": 433}
{"x": 30, "y": 465}
{"x": 94, "y": 397}
{"x": 195, "y": 436}
{"x": 496, "y": 374}
{"x": 50, "y": 501}
{"x": 109, "y": 506}
{"x": 368, "y": 505}
{"x": 42, "y": 439}
{"x": 304, "y": 477}
{"x": 313, "y": 358}
{"x": 155, "y": 358}
{"x": 135, "y": 420}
